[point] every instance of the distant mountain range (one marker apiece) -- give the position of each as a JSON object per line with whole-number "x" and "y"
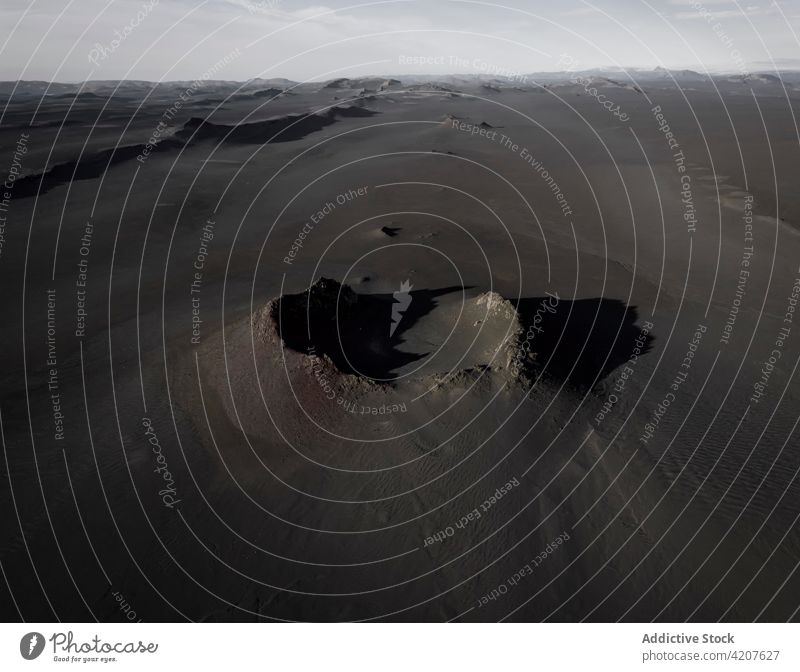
{"x": 257, "y": 87}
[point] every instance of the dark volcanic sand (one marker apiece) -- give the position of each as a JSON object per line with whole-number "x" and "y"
{"x": 319, "y": 476}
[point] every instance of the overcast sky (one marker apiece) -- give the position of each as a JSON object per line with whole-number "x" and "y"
{"x": 74, "y": 40}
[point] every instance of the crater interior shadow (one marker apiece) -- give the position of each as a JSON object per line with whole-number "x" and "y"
{"x": 353, "y": 330}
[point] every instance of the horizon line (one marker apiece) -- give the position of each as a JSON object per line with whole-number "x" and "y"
{"x": 510, "y": 77}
